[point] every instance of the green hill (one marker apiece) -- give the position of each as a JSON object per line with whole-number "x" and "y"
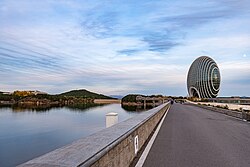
{"x": 85, "y": 94}
{"x": 131, "y": 97}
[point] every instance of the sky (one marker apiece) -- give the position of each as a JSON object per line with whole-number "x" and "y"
{"x": 116, "y": 47}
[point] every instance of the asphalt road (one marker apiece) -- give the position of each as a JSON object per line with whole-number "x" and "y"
{"x": 191, "y": 136}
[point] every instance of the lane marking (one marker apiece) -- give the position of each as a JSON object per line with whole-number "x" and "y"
{"x": 150, "y": 143}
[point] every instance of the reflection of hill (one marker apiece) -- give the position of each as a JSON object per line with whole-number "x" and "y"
{"x": 135, "y": 108}
{"x": 29, "y": 101}
{"x": 83, "y": 106}
{"x": 36, "y": 108}
{"x": 47, "y": 107}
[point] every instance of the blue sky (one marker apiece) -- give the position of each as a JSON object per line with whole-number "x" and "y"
{"x": 120, "y": 47}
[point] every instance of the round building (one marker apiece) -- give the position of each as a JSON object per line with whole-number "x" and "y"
{"x": 203, "y": 80}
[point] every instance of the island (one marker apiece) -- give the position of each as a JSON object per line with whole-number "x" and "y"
{"x": 38, "y": 99}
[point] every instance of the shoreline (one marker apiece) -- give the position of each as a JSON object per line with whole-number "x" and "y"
{"x": 107, "y": 101}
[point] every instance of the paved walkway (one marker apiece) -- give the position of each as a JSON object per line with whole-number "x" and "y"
{"x": 191, "y": 136}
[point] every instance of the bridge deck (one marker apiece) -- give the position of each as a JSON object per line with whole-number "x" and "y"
{"x": 191, "y": 136}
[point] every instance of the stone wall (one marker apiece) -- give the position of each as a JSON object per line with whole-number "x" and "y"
{"x": 111, "y": 147}
{"x": 124, "y": 152}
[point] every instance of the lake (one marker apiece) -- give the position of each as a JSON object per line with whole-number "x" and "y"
{"x": 28, "y": 133}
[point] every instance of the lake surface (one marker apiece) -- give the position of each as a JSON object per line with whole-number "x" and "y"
{"x": 26, "y": 134}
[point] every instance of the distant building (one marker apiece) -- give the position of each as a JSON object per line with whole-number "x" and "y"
{"x": 38, "y": 92}
{"x": 6, "y": 93}
{"x": 28, "y": 93}
{"x": 154, "y": 101}
{"x": 203, "y": 80}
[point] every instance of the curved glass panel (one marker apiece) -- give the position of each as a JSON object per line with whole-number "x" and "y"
{"x": 216, "y": 78}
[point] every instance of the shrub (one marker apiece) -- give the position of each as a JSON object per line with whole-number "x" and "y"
{"x": 218, "y": 106}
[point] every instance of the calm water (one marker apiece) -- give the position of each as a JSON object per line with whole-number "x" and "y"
{"x": 26, "y": 134}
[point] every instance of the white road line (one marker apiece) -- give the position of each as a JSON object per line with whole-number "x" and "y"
{"x": 150, "y": 143}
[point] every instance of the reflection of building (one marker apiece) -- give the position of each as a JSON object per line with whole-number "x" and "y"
{"x": 203, "y": 80}
{"x": 135, "y": 102}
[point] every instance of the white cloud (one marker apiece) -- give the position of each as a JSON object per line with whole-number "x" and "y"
{"x": 74, "y": 55}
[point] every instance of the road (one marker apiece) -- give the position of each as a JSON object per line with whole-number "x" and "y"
{"x": 194, "y": 137}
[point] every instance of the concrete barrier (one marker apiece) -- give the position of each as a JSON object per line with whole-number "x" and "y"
{"x": 246, "y": 115}
{"x": 228, "y": 105}
{"x": 220, "y": 110}
{"x": 111, "y": 147}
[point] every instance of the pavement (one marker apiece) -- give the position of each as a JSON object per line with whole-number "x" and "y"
{"x": 194, "y": 137}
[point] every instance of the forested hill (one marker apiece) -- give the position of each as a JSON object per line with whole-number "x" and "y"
{"x": 85, "y": 94}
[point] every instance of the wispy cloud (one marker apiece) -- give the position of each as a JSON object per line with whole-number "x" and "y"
{"x": 120, "y": 47}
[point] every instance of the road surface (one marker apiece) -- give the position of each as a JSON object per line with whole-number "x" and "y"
{"x": 194, "y": 137}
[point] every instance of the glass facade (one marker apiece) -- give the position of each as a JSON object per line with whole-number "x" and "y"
{"x": 203, "y": 80}
{"x": 216, "y": 78}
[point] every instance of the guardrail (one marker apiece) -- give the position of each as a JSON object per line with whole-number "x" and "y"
{"x": 223, "y": 111}
{"x": 111, "y": 147}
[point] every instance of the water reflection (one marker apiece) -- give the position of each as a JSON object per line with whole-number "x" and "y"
{"x": 137, "y": 108}
{"x": 29, "y": 131}
{"x": 83, "y": 107}
{"x": 48, "y": 107}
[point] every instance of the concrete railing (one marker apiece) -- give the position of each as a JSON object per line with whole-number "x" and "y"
{"x": 111, "y": 147}
{"x": 229, "y": 105}
{"x": 221, "y": 110}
